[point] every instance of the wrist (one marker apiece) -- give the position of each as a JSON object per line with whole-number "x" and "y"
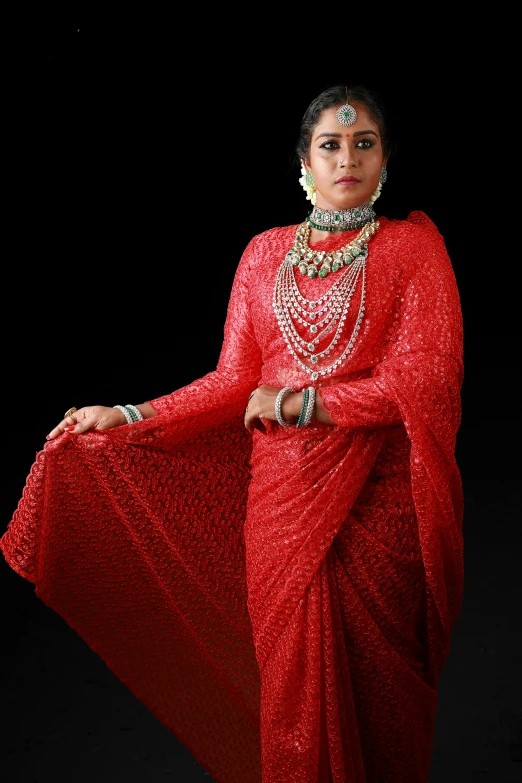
{"x": 291, "y": 407}
{"x": 146, "y": 410}
{"x": 123, "y": 417}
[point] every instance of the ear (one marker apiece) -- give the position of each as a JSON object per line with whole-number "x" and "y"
{"x": 306, "y": 164}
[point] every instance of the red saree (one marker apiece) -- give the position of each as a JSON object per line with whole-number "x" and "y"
{"x": 282, "y": 602}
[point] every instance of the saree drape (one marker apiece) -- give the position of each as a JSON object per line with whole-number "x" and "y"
{"x": 283, "y": 602}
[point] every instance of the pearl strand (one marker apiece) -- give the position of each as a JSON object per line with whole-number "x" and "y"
{"x": 326, "y": 370}
{"x": 292, "y": 308}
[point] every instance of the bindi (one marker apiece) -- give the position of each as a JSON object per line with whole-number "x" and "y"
{"x": 347, "y": 135}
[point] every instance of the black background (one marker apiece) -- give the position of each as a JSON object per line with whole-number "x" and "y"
{"x": 141, "y": 169}
{"x": 145, "y": 152}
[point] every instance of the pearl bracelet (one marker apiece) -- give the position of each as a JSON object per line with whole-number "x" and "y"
{"x": 125, "y": 412}
{"x": 130, "y": 412}
{"x": 134, "y": 412}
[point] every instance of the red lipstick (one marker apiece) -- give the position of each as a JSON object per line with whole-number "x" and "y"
{"x": 346, "y": 180}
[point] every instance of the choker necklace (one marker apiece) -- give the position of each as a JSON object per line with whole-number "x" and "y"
{"x": 341, "y": 219}
{"x": 312, "y": 328}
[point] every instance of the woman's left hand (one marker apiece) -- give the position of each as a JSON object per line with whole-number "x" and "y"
{"x": 261, "y": 405}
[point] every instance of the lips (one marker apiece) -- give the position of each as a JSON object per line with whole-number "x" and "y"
{"x": 346, "y": 180}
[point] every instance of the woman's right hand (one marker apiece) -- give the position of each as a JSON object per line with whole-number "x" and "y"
{"x": 92, "y": 417}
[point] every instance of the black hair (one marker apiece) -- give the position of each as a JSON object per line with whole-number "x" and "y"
{"x": 335, "y": 96}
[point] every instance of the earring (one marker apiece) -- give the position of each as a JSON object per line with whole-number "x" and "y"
{"x": 377, "y": 192}
{"x": 307, "y": 181}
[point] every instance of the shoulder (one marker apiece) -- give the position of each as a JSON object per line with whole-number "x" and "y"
{"x": 416, "y": 239}
{"x": 271, "y": 244}
{"x": 417, "y": 226}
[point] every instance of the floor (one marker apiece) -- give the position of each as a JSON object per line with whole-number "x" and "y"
{"x": 64, "y": 716}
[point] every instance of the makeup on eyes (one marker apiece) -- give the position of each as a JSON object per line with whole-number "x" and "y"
{"x": 336, "y": 135}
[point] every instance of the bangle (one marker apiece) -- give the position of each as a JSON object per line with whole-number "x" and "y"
{"x": 307, "y": 408}
{"x": 125, "y": 412}
{"x": 300, "y": 420}
{"x": 134, "y": 412}
{"x": 310, "y": 408}
{"x": 278, "y": 401}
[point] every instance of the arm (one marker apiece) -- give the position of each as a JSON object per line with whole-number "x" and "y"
{"x": 425, "y": 350}
{"x": 262, "y": 406}
{"x": 424, "y": 357}
{"x": 223, "y": 391}
{"x": 239, "y": 366}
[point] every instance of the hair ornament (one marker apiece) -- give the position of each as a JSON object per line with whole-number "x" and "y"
{"x": 307, "y": 181}
{"x": 377, "y": 192}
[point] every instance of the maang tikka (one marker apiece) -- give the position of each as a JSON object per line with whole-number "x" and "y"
{"x": 346, "y": 114}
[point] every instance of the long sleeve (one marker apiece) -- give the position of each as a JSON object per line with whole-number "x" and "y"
{"x": 359, "y": 404}
{"x": 425, "y": 346}
{"x": 239, "y": 366}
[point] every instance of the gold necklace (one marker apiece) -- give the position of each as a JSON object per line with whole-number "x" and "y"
{"x": 321, "y": 262}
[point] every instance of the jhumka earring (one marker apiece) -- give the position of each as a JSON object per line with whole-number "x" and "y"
{"x": 346, "y": 114}
{"x": 307, "y": 181}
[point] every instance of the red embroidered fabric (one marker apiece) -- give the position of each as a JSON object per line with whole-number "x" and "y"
{"x": 282, "y": 602}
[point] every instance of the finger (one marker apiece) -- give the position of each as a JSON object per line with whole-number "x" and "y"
{"x": 253, "y": 422}
{"x": 70, "y": 423}
{"x": 86, "y": 419}
{"x": 70, "y": 415}
{"x": 259, "y": 425}
{"x": 58, "y": 430}
{"x": 249, "y": 419}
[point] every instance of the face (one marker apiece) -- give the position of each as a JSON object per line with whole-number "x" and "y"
{"x": 345, "y": 161}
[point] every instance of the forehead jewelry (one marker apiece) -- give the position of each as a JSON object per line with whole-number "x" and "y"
{"x": 346, "y": 114}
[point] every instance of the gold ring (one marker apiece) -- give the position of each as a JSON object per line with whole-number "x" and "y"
{"x": 71, "y": 413}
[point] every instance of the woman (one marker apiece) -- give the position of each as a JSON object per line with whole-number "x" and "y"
{"x": 271, "y": 557}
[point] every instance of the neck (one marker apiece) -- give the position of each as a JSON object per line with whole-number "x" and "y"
{"x": 329, "y": 220}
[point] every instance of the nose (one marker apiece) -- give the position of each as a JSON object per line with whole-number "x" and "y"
{"x": 348, "y": 158}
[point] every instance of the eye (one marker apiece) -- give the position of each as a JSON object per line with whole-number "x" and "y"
{"x": 330, "y": 144}
{"x": 365, "y": 144}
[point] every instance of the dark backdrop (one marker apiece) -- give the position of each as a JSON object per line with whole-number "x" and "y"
{"x": 141, "y": 170}
{"x": 144, "y": 155}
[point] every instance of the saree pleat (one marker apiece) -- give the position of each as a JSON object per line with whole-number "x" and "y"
{"x": 290, "y": 528}
{"x": 318, "y": 477}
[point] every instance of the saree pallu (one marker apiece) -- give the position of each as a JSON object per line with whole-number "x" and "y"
{"x": 140, "y": 549}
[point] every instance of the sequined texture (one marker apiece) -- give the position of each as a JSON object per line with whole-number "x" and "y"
{"x": 282, "y": 602}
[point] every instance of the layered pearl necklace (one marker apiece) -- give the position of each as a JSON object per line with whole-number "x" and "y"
{"x": 322, "y": 320}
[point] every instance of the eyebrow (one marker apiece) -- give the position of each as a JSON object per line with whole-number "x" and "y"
{"x": 340, "y": 135}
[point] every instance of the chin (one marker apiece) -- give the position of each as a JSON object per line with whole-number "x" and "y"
{"x": 345, "y": 201}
